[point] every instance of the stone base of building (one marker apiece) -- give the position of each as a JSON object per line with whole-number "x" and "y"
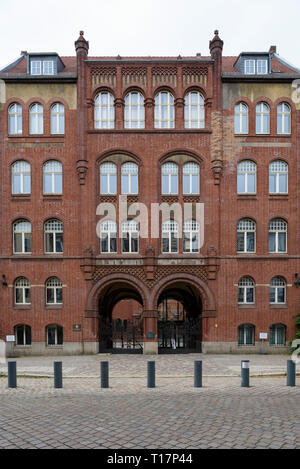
{"x": 150, "y": 348}
{"x": 233, "y": 347}
{"x": 40, "y": 349}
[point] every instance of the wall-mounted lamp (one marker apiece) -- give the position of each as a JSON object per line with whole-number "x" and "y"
{"x": 297, "y": 281}
{"x": 3, "y": 281}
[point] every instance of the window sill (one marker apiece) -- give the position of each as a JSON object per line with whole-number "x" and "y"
{"x": 54, "y": 307}
{"x": 245, "y": 306}
{"x": 247, "y": 196}
{"x": 22, "y": 306}
{"x": 278, "y": 196}
{"x": 278, "y": 306}
{"x": 55, "y": 346}
{"x": 20, "y": 196}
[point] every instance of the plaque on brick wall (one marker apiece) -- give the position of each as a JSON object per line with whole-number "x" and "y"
{"x": 76, "y": 327}
{"x": 150, "y": 335}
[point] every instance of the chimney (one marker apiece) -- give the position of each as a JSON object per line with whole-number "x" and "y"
{"x": 272, "y": 50}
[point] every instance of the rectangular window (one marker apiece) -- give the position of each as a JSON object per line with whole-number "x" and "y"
{"x": 262, "y": 67}
{"x": 249, "y": 67}
{"x": 36, "y": 67}
{"x": 48, "y": 67}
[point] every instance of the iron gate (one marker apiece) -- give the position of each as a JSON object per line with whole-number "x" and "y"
{"x": 124, "y": 338}
{"x": 179, "y": 336}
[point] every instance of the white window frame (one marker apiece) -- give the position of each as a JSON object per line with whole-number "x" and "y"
{"x": 54, "y": 227}
{"x": 109, "y": 228}
{"x": 168, "y": 228}
{"x": 46, "y": 64}
{"x": 20, "y": 168}
{"x": 22, "y": 284}
{"x": 33, "y": 64}
{"x": 36, "y": 116}
{"x": 245, "y": 226}
{"x": 278, "y": 283}
{"x": 191, "y": 169}
{"x": 57, "y": 110}
{"x": 281, "y": 113}
{"x": 130, "y": 169}
{"x": 130, "y": 227}
{"x": 277, "y": 225}
{"x": 247, "y": 167}
{"x": 278, "y": 168}
{"x": 261, "y": 112}
{"x": 110, "y": 169}
{"x": 15, "y": 111}
{"x": 246, "y": 66}
{"x": 240, "y": 112}
{"x": 245, "y": 327}
{"x": 54, "y": 284}
{"x": 100, "y": 123}
{"x": 276, "y": 327}
{"x": 168, "y": 169}
{"x": 158, "y": 120}
{"x": 191, "y": 227}
{"x": 56, "y": 169}
{"x": 189, "y": 122}
{"x": 55, "y": 326}
{"x": 24, "y": 334}
{"x": 259, "y": 63}
{"x": 24, "y": 228}
{"x": 245, "y": 284}
{"x": 129, "y": 106}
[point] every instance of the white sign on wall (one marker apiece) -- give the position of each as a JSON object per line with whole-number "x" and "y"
{"x": 10, "y": 338}
{"x": 263, "y": 335}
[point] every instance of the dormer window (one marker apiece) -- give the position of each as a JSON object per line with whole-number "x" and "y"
{"x": 250, "y": 67}
{"x": 262, "y": 67}
{"x": 255, "y": 66}
{"x": 36, "y": 67}
{"x": 48, "y": 67}
{"x": 42, "y": 67}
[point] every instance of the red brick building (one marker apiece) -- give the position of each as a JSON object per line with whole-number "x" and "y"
{"x": 79, "y": 132}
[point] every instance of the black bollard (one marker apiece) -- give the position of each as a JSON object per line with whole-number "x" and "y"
{"x": 291, "y": 373}
{"x": 198, "y": 374}
{"x": 58, "y": 381}
{"x": 104, "y": 375}
{"x": 245, "y": 373}
{"x": 151, "y": 374}
{"x": 12, "y": 374}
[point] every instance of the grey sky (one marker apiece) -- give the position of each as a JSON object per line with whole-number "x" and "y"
{"x": 149, "y": 27}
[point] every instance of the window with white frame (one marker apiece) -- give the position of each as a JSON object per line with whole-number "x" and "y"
{"x": 15, "y": 119}
{"x": 129, "y": 178}
{"x": 22, "y": 291}
{"x": 190, "y": 178}
{"x": 191, "y": 236}
{"x": 54, "y": 335}
{"x": 169, "y": 178}
{"x": 241, "y": 117}
{"x": 53, "y": 291}
{"x": 108, "y": 236}
{"x": 283, "y": 118}
{"x": 108, "y": 178}
{"x": 246, "y": 231}
{"x": 36, "y": 119}
{"x": 21, "y": 178}
{"x": 249, "y": 67}
{"x": 246, "y": 334}
{"x": 262, "y": 67}
{"x": 57, "y": 119}
{"x": 36, "y": 67}
{"x": 170, "y": 236}
{"x": 104, "y": 111}
{"x": 53, "y": 231}
{"x": 262, "y": 118}
{"x": 48, "y": 67}
{"x": 277, "y": 291}
{"x": 246, "y": 291}
{"x": 164, "y": 110}
{"x": 134, "y": 111}
{"x": 23, "y": 334}
{"x": 194, "y": 114}
{"x": 277, "y": 335}
{"x": 52, "y": 171}
{"x": 278, "y": 236}
{"x": 278, "y": 177}
{"x": 130, "y": 237}
{"x": 246, "y": 177}
{"x": 22, "y": 237}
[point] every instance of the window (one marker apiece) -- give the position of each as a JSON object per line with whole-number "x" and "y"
{"x": 277, "y": 335}
{"x": 277, "y": 291}
{"x": 108, "y": 178}
{"x": 283, "y": 118}
{"x": 36, "y": 67}
{"x": 169, "y": 175}
{"x": 246, "y": 230}
{"x": 108, "y": 237}
{"x": 23, "y": 335}
{"x": 52, "y": 177}
{"x": 57, "y": 119}
{"x": 249, "y": 67}
{"x": 134, "y": 111}
{"x": 15, "y": 119}
{"x": 262, "y": 67}
{"x": 194, "y": 111}
{"x": 104, "y": 111}
{"x": 53, "y": 291}
{"x": 277, "y": 236}
{"x": 190, "y": 178}
{"x": 22, "y": 291}
{"x": 241, "y": 118}
{"x": 21, "y": 178}
{"x": 164, "y": 110}
{"x": 54, "y": 335}
{"x": 246, "y": 177}
{"x": 246, "y": 291}
{"x": 22, "y": 237}
{"x": 42, "y": 67}
{"x": 278, "y": 177}
{"x": 170, "y": 235}
{"x": 36, "y": 119}
{"x": 130, "y": 237}
{"x": 48, "y": 67}
{"x": 246, "y": 334}
{"x": 191, "y": 236}
{"x": 262, "y": 118}
{"x": 53, "y": 230}
{"x": 129, "y": 178}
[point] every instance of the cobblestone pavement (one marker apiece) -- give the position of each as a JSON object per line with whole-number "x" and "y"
{"x": 174, "y": 415}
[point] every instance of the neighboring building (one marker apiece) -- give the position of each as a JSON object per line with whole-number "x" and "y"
{"x": 77, "y": 132}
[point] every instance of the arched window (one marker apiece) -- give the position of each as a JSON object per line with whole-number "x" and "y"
{"x": 283, "y": 118}
{"x": 246, "y": 334}
{"x": 36, "y": 119}
{"x": 194, "y": 111}
{"x": 108, "y": 178}
{"x": 104, "y": 111}
{"x": 23, "y": 334}
{"x": 53, "y": 291}
{"x": 277, "y": 235}
{"x": 170, "y": 236}
{"x": 57, "y": 119}
{"x": 130, "y": 237}
{"x": 246, "y": 177}
{"x": 246, "y": 291}
{"x": 277, "y": 335}
{"x": 22, "y": 237}
{"x": 15, "y": 119}
{"x": 169, "y": 178}
{"x": 108, "y": 236}
{"x": 278, "y": 177}
{"x": 52, "y": 177}
{"x": 22, "y": 291}
{"x": 191, "y": 236}
{"x": 190, "y": 178}
{"x": 21, "y": 178}
{"x": 241, "y": 117}
{"x": 54, "y": 335}
{"x": 246, "y": 230}
{"x": 53, "y": 230}
{"x": 164, "y": 110}
{"x": 134, "y": 111}
{"x": 262, "y": 118}
{"x": 129, "y": 178}
{"x": 277, "y": 291}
